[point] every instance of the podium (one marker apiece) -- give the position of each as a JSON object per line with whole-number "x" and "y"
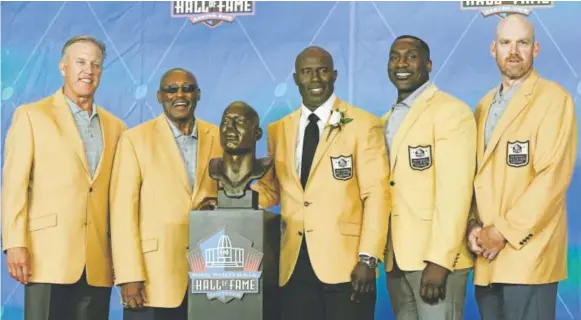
{"x": 234, "y": 258}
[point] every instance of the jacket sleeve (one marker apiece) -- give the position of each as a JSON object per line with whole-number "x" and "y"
{"x": 372, "y": 170}
{"x": 455, "y": 164}
{"x": 18, "y": 162}
{"x": 473, "y": 217}
{"x": 124, "y": 214}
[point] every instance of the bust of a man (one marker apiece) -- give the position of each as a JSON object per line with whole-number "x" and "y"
{"x": 239, "y": 132}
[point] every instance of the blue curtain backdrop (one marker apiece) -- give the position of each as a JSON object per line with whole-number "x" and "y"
{"x": 252, "y": 59}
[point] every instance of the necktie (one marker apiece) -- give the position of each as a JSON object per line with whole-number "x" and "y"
{"x": 310, "y": 142}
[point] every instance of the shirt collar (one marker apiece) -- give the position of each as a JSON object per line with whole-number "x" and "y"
{"x": 177, "y": 133}
{"x": 76, "y": 109}
{"x": 409, "y": 101}
{"x": 507, "y": 95}
{"x": 323, "y": 111}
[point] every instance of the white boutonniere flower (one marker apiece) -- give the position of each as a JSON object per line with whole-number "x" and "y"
{"x": 337, "y": 120}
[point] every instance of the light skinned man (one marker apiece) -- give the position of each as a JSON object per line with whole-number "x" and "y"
{"x": 431, "y": 139}
{"x": 160, "y": 174}
{"x": 55, "y": 193}
{"x": 527, "y": 144}
{"x": 331, "y": 179}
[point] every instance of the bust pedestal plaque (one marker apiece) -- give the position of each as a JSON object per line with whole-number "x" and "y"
{"x": 234, "y": 249}
{"x": 233, "y": 258}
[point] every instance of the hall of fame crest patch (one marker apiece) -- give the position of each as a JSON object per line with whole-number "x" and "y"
{"x": 342, "y": 167}
{"x": 517, "y": 153}
{"x": 420, "y": 157}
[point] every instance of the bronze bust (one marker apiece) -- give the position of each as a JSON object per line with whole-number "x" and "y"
{"x": 238, "y": 167}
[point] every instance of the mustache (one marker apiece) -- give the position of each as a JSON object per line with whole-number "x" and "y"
{"x": 514, "y": 57}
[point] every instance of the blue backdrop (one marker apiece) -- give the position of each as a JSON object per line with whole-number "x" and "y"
{"x": 252, "y": 59}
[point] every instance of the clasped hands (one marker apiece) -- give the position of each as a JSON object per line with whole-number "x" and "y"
{"x": 133, "y": 295}
{"x": 486, "y": 241}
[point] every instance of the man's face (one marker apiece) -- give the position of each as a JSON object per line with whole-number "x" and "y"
{"x": 179, "y": 94}
{"x": 408, "y": 66}
{"x": 239, "y": 129}
{"x": 315, "y": 78}
{"x": 514, "y": 49}
{"x": 81, "y": 68}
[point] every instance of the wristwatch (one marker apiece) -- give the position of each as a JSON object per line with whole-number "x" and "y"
{"x": 371, "y": 262}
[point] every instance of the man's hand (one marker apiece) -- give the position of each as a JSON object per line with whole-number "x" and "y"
{"x": 208, "y": 204}
{"x": 133, "y": 295}
{"x": 362, "y": 280}
{"x": 18, "y": 260}
{"x": 433, "y": 283}
{"x": 491, "y": 241}
{"x": 473, "y": 232}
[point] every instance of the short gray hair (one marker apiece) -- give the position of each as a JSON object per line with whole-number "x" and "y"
{"x": 83, "y": 38}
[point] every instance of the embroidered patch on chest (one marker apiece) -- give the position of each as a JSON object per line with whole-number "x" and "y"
{"x": 420, "y": 157}
{"x": 517, "y": 153}
{"x": 342, "y": 167}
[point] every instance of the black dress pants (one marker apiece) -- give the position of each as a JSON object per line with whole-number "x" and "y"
{"x": 77, "y": 301}
{"x": 305, "y": 297}
{"x": 150, "y": 313}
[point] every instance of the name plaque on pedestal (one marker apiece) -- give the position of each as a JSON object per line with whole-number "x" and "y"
{"x": 233, "y": 257}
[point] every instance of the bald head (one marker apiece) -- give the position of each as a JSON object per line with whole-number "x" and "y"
{"x": 174, "y": 71}
{"x": 515, "y": 48}
{"x": 515, "y": 23}
{"x": 314, "y": 52}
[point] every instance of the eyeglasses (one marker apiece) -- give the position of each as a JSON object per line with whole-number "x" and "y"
{"x": 186, "y": 88}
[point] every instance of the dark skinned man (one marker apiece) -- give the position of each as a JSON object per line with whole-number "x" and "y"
{"x": 331, "y": 178}
{"x": 159, "y": 176}
{"x": 431, "y": 139}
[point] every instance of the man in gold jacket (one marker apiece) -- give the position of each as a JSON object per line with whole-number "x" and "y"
{"x": 160, "y": 174}
{"x": 331, "y": 179}
{"x": 527, "y": 142}
{"x": 55, "y": 193}
{"x": 431, "y": 139}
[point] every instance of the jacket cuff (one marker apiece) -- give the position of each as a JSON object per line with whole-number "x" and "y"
{"x": 514, "y": 237}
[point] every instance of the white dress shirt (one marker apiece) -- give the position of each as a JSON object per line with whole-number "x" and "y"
{"x": 323, "y": 112}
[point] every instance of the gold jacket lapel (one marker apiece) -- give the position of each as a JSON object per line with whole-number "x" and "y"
{"x": 66, "y": 123}
{"x": 328, "y": 136}
{"x": 415, "y": 111}
{"x": 481, "y": 123}
{"x": 172, "y": 153}
{"x": 106, "y": 133}
{"x": 517, "y": 104}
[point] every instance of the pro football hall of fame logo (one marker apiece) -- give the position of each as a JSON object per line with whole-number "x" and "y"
{"x": 503, "y": 8}
{"x": 224, "y": 266}
{"x": 211, "y": 13}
